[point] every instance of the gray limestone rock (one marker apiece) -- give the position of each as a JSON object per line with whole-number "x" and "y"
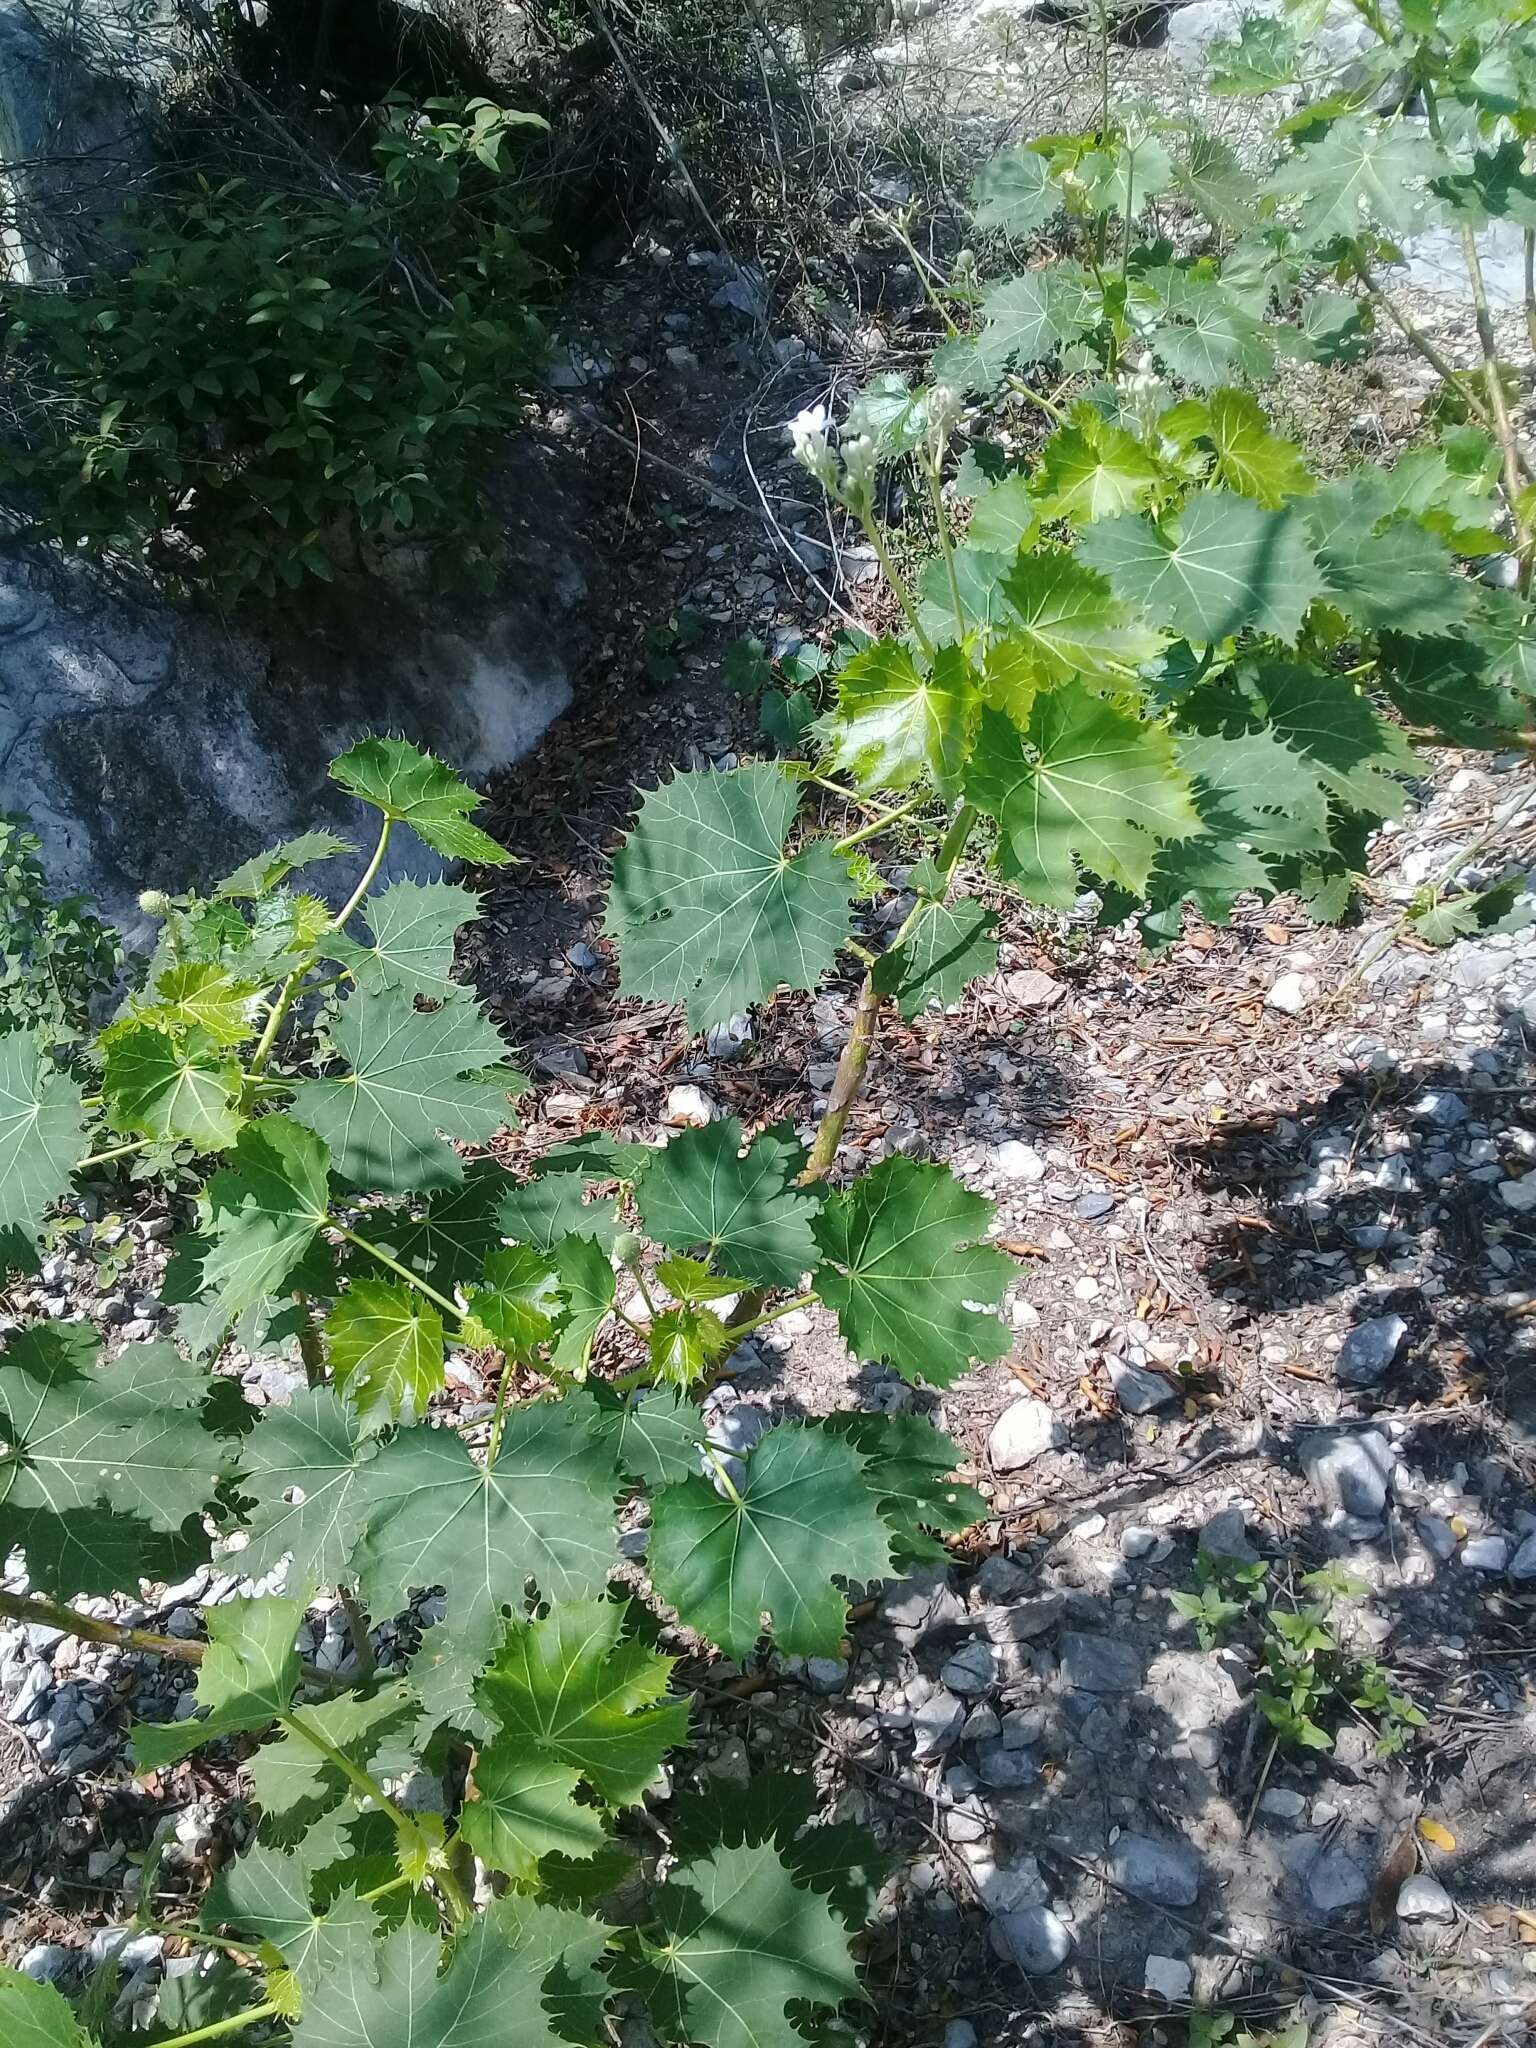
{"x": 1033, "y": 1938}
{"x": 1333, "y": 1881}
{"x": 1348, "y": 1468}
{"x": 155, "y": 747}
{"x": 1226, "y": 1535}
{"x": 1091, "y": 1663}
{"x": 1369, "y": 1350}
{"x": 1025, "y": 1431}
{"x": 1162, "y": 1873}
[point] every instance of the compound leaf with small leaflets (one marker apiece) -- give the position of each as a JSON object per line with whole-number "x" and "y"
{"x": 707, "y": 908}
{"x": 894, "y": 725}
{"x": 905, "y": 1275}
{"x": 801, "y": 1516}
{"x": 1086, "y": 785}
{"x": 703, "y": 1190}
{"x": 385, "y": 1346}
{"x": 246, "y": 1679}
{"x": 40, "y": 1134}
{"x": 417, "y": 790}
{"x": 948, "y": 947}
{"x": 417, "y": 1077}
{"x": 412, "y": 927}
{"x": 744, "y": 1943}
{"x": 1220, "y": 564}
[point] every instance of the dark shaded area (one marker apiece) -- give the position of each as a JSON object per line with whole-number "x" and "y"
{"x": 1432, "y": 1204}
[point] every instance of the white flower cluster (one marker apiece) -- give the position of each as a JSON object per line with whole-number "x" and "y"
{"x": 846, "y": 472}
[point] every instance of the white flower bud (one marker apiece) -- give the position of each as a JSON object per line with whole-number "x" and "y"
{"x": 808, "y": 437}
{"x": 155, "y": 903}
{"x": 858, "y": 460}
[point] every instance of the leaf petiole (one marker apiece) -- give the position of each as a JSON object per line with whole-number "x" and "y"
{"x": 235, "y": 2024}
{"x": 411, "y": 1279}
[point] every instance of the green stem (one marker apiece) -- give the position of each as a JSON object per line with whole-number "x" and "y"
{"x": 894, "y": 578}
{"x": 919, "y": 263}
{"x": 235, "y": 2024}
{"x": 53, "y": 1614}
{"x": 382, "y": 1891}
{"x": 375, "y": 863}
{"x": 277, "y": 1010}
{"x": 739, "y": 1330}
{"x": 196, "y": 1936}
{"x": 849, "y": 796}
{"x": 112, "y": 1152}
{"x": 366, "y": 1786}
{"x": 878, "y": 825}
{"x": 1493, "y": 384}
{"x": 499, "y": 1413}
{"x": 854, "y": 1062}
{"x": 1017, "y": 385}
{"x": 722, "y": 1475}
{"x": 281, "y": 1003}
{"x": 946, "y": 539}
{"x": 636, "y": 1273}
{"x": 411, "y": 1279}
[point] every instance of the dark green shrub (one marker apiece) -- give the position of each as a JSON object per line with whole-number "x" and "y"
{"x": 55, "y": 956}
{"x": 270, "y": 376}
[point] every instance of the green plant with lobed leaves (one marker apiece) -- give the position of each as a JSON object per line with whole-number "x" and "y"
{"x": 56, "y": 955}
{"x": 325, "y": 1066}
{"x": 272, "y": 376}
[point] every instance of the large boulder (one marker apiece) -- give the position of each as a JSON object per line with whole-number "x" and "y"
{"x": 159, "y": 748}
{"x": 74, "y": 85}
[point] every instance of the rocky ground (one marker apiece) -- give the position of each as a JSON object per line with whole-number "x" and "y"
{"x": 1270, "y": 1197}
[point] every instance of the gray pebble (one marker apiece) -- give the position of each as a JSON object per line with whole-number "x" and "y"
{"x": 1033, "y": 1939}
{"x": 1162, "y": 1873}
